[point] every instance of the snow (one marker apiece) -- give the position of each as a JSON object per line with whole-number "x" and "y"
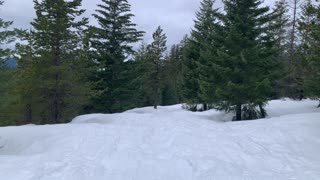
{"x": 168, "y": 144}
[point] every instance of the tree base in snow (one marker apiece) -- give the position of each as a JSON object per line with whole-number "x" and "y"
{"x": 250, "y": 112}
{"x": 197, "y": 107}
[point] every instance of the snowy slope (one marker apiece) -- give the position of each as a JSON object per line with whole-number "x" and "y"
{"x": 168, "y": 144}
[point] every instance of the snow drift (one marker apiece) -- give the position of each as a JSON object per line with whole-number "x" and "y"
{"x": 168, "y": 144}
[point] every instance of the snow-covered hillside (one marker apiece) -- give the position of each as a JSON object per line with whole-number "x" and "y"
{"x": 168, "y": 144}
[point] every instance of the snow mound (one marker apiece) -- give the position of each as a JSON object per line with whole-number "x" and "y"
{"x": 169, "y": 143}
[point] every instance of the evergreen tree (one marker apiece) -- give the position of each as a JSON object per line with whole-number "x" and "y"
{"x": 6, "y": 95}
{"x": 190, "y": 86}
{"x": 293, "y": 33}
{"x": 294, "y": 79}
{"x": 150, "y": 60}
{"x": 172, "y": 76}
{"x": 309, "y": 27}
{"x": 156, "y": 54}
{"x": 246, "y": 63}
{"x": 6, "y": 73}
{"x": 207, "y": 64}
{"x": 305, "y": 21}
{"x": 200, "y": 40}
{"x": 298, "y": 69}
{"x": 141, "y": 62}
{"x": 280, "y": 26}
{"x": 112, "y": 43}
{"x": 279, "y": 29}
{"x": 25, "y": 82}
{"x": 53, "y": 57}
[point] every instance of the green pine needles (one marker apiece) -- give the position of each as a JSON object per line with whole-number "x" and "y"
{"x": 233, "y": 56}
{"x": 112, "y": 45}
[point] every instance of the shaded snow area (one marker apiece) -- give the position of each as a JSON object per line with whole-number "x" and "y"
{"x": 168, "y": 144}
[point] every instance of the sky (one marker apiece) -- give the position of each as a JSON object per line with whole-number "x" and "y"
{"x": 174, "y": 16}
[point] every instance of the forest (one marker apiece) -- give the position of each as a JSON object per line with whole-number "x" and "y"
{"x": 235, "y": 59}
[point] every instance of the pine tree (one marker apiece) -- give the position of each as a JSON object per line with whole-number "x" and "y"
{"x": 293, "y": 33}
{"x": 306, "y": 18}
{"x": 190, "y": 86}
{"x": 141, "y": 66}
{"x": 150, "y": 60}
{"x": 246, "y": 63}
{"x": 294, "y": 78}
{"x": 207, "y": 65}
{"x": 298, "y": 69}
{"x": 156, "y": 54}
{"x": 309, "y": 27}
{"x": 6, "y": 73}
{"x": 280, "y": 26}
{"x": 56, "y": 41}
{"x": 200, "y": 40}
{"x": 25, "y": 81}
{"x": 112, "y": 43}
{"x": 279, "y": 29}
{"x": 172, "y": 76}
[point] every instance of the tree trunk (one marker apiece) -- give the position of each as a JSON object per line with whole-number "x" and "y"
{"x": 57, "y": 77}
{"x": 301, "y": 96}
{"x": 262, "y": 111}
{"x": 205, "y": 107}
{"x": 56, "y": 107}
{"x": 238, "y": 112}
{"x": 28, "y": 114}
{"x": 319, "y": 105}
{"x": 156, "y": 97}
{"x": 55, "y": 111}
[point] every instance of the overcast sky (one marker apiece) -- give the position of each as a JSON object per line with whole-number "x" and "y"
{"x": 174, "y": 16}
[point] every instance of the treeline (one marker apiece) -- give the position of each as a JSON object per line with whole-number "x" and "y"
{"x": 236, "y": 59}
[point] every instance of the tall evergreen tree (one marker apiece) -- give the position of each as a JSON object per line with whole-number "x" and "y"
{"x": 309, "y": 27}
{"x": 172, "y": 76}
{"x": 150, "y": 61}
{"x": 156, "y": 52}
{"x": 305, "y": 21}
{"x": 294, "y": 68}
{"x": 246, "y": 63}
{"x": 112, "y": 43}
{"x": 25, "y": 81}
{"x": 279, "y": 25}
{"x": 56, "y": 40}
{"x": 200, "y": 40}
{"x": 141, "y": 65}
{"x": 298, "y": 69}
{"x": 208, "y": 79}
{"x": 6, "y": 73}
{"x": 279, "y": 29}
{"x": 293, "y": 32}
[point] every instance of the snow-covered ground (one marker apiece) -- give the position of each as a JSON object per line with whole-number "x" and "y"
{"x": 168, "y": 144}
